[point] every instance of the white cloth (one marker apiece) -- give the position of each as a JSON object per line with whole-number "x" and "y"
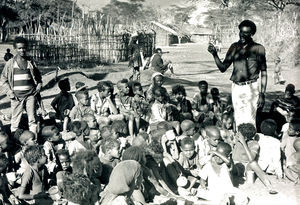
{"x": 244, "y": 100}
{"x": 75, "y": 146}
{"x": 219, "y": 185}
{"x": 269, "y": 154}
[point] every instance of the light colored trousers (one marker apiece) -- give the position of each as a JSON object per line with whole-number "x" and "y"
{"x": 244, "y": 100}
{"x": 17, "y": 108}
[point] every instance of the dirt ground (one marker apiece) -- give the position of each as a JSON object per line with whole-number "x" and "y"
{"x": 192, "y": 63}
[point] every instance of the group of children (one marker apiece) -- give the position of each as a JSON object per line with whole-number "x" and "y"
{"x": 144, "y": 146}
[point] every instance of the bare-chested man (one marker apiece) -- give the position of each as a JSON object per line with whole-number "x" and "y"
{"x": 249, "y": 60}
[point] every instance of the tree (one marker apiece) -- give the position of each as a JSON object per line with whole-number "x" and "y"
{"x": 7, "y": 14}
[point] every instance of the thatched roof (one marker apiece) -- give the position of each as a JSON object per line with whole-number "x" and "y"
{"x": 166, "y": 28}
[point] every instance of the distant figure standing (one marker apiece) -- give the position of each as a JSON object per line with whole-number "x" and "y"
{"x": 8, "y": 55}
{"x": 135, "y": 57}
{"x": 278, "y": 79}
{"x": 249, "y": 62}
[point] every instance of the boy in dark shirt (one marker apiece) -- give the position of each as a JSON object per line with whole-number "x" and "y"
{"x": 63, "y": 102}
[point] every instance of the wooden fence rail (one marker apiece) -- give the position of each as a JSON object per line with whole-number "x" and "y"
{"x": 56, "y": 49}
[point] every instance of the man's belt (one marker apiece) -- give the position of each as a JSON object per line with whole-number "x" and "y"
{"x": 246, "y": 82}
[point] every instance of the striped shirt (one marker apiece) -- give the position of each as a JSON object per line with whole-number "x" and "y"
{"x": 23, "y": 82}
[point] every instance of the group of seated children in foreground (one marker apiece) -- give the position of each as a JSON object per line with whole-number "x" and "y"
{"x": 137, "y": 147}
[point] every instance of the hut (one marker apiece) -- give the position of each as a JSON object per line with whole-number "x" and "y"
{"x": 201, "y": 35}
{"x": 167, "y": 35}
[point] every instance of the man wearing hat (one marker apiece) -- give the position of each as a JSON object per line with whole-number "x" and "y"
{"x": 249, "y": 63}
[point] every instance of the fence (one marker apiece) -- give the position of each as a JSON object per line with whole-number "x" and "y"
{"x": 109, "y": 48}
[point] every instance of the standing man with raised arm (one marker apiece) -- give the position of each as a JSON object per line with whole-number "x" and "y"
{"x": 249, "y": 60}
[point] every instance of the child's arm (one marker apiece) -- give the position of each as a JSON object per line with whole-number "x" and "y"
{"x": 157, "y": 176}
{"x": 247, "y": 150}
{"x": 112, "y": 106}
{"x": 26, "y": 180}
{"x": 159, "y": 115}
{"x": 292, "y": 173}
{"x": 54, "y": 103}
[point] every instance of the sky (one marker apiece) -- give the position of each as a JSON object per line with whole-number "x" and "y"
{"x": 197, "y": 17}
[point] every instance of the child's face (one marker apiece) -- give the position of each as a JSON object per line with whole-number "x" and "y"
{"x": 30, "y": 141}
{"x": 65, "y": 162}
{"x": 92, "y": 122}
{"x": 292, "y": 131}
{"x": 222, "y": 152}
{"x": 3, "y": 142}
{"x": 84, "y": 100}
{"x": 227, "y": 123}
{"x": 43, "y": 159}
{"x": 115, "y": 152}
{"x": 106, "y": 134}
{"x": 213, "y": 140}
{"x": 138, "y": 90}
{"x": 124, "y": 88}
{"x": 288, "y": 94}
{"x": 56, "y": 137}
{"x": 179, "y": 96}
{"x": 203, "y": 89}
{"x": 106, "y": 92}
{"x": 158, "y": 96}
{"x": 188, "y": 150}
{"x": 191, "y": 131}
{"x": 158, "y": 80}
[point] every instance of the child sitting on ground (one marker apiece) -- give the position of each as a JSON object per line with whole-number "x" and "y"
{"x": 216, "y": 181}
{"x": 188, "y": 158}
{"x": 83, "y": 106}
{"x": 77, "y": 189}
{"x": 124, "y": 102}
{"x": 52, "y": 137}
{"x": 183, "y": 105}
{"x": 63, "y": 102}
{"x": 81, "y": 130}
{"x": 160, "y": 108}
{"x": 4, "y": 190}
{"x": 94, "y": 137}
{"x": 35, "y": 178}
{"x": 189, "y": 161}
{"x": 269, "y": 158}
{"x": 139, "y": 104}
{"x": 65, "y": 166}
{"x": 226, "y": 129}
{"x": 209, "y": 143}
{"x": 244, "y": 155}
{"x": 7, "y": 150}
{"x": 26, "y": 139}
{"x": 102, "y": 103}
{"x": 288, "y": 139}
{"x": 216, "y": 104}
{"x": 200, "y": 103}
{"x": 187, "y": 128}
{"x": 109, "y": 156}
{"x": 292, "y": 170}
{"x": 157, "y": 81}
